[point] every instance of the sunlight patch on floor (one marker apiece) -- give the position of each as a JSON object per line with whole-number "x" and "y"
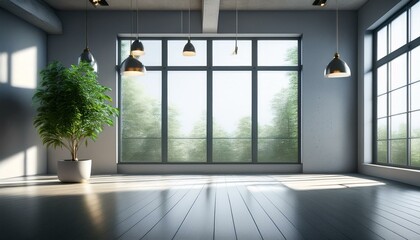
{"x": 320, "y": 182}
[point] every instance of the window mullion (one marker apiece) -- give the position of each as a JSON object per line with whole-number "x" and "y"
{"x": 254, "y": 97}
{"x": 209, "y": 101}
{"x": 164, "y": 101}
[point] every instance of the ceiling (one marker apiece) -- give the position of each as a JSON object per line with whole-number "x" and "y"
{"x": 198, "y": 4}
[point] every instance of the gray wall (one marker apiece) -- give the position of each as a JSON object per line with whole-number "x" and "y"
{"x": 22, "y": 56}
{"x": 329, "y": 106}
{"x": 370, "y": 16}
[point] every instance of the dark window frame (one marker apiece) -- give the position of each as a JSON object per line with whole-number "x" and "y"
{"x": 209, "y": 68}
{"x": 386, "y": 60}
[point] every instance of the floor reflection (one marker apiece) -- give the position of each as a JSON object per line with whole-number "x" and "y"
{"x": 305, "y": 206}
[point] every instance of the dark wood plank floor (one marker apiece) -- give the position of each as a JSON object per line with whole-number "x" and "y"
{"x": 210, "y": 207}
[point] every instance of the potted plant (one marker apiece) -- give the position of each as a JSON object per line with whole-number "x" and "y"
{"x": 72, "y": 107}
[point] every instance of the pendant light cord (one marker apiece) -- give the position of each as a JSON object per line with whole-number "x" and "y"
{"x": 132, "y": 20}
{"x": 137, "y": 19}
{"x": 86, "y": 25}
{"x": 236, "y": 21}
{"x": 189, "y": 20}
{"x": 182, "y": 21}
{"x": 336, "y": 24}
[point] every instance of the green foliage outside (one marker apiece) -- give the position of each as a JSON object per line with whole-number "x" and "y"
{"x": 141, "y": 125}
{"x": 72, "y": 106}
{"x": 398, "y": 148}
{"x": 283, "y": 147}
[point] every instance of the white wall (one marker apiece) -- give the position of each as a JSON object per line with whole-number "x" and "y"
{"x": 22, "y": 56}
{"x": 329, "y": 106}
{"x": 370, "y": 16}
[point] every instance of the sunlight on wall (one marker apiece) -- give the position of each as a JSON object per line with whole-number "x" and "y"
{"x": 32, "y": 160}
{"x": 20, "y": 164}
{"x": 24, "y": 68}
{"x": 3, "y": 67}
{"x": 12, "y": 166}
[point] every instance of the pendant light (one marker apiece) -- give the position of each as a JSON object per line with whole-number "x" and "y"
{"x": 96, "y": 3}
{"x": 235, "y": 51}
{"x": 131, "y": 66}
{"x": 189, "y": 49}
{"x": 137, "y": 48}
{"x": 86, "y": 55}
{"x": 337, "y": 68}
{"x": 321, "y": 3}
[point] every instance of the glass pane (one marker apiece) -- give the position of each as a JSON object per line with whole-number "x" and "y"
{"x": 152, "y": 52}
{"x": 399, "y": 72}
{"x": 399, "y": 126}
{"x": 278, "y": 150}
{"x": 141, "y": 115}
{"x": 187, "y": 150}
{"x": 399, "y": 101}
{"x": 175, "y": 57}
{"x": 382, "y": 152}
{"x": 382, "y": 106}
{"x": 277, "y": 52}
{"x": 415, "y": 60}
{"x": 415, "y": 96}
{"x": 415, "y": 124}
{"x": 141, "y": 105}
{"x": 232, "y": 104}
{"x": 223, "y": 53}
{"x": 415, "y": 21}
{"x": 415, "y": 152}
{"x": 232, "y": 150}
{"x": 383, "y": 79}
{"x": 399, "y": 32}
{"x": 277, "y": 105}
{"x": 125, "y": 50}
{"x": 232, "y": 115}
{"x": 399, "y": 152}
{"x": 382, "y": 129}
{"x": 141, "y": 150}
{"x": 187, "y": 104}
{"x": 382, "y": 43}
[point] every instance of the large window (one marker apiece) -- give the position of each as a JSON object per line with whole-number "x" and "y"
{"x": 215, "y": 107}
{"x": 397, "y": 89}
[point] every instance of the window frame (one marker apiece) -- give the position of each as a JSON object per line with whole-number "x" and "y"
{"x": 386, "y": 60}
{"x": 209, "y": 68}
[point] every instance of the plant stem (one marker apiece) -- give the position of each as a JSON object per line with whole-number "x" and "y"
{"x": 74, "y": 149}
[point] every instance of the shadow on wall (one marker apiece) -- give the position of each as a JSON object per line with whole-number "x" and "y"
{"x": 21, "y": 151}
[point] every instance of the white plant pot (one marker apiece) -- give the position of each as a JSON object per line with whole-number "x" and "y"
{"x": 74, "y": 171}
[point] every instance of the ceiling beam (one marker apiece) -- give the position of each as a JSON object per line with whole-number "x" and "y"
{"x": 35, "y": 12}
{"x": 211, "y": 10}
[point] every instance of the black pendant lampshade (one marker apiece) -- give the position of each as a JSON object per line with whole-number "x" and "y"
{"x": 137, "y": 48}
{"x": 189, "y": 49}
{"x": 132, "y": 67}
{"x": 337, "y": 68}
{"x": 87, "y": 56}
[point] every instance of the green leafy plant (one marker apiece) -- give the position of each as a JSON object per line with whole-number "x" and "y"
{"x": 72, "y": 106}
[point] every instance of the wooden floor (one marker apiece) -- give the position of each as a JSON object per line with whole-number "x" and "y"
{"x": 209, "y": 207}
